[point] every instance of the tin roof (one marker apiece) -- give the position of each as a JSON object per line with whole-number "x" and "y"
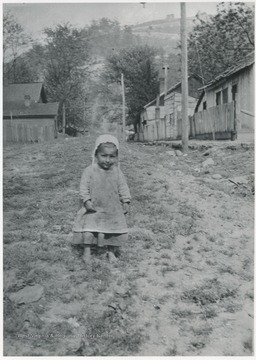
{"x": 16, "y": 92}
{"x": 241, "y": 65}
{"x": 171, "y": 89}
{"x": 14, "y": 96}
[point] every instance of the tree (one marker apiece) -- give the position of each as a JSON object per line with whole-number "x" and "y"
{"x": 219, "y": 41}
{"x": 15, "y": 42}
{"x": 66, "y": 56}
{"x": 107, "y": 35}
{"x": 140, "y": 78}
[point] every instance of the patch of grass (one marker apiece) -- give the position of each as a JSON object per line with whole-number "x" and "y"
{"x": 147, "y": 246}
{"x": 171, "y": 351}
{"x": 226, "y": 269}
{"x": 145, "y": 297}
{"x": 165, "y": 263}
{"x": 232, "y": 308}
{"x": 211, "y": 262}
{"x": 212, "y": 239}
{"x": 209, "y": 313}
{"x": 248, "y": 345}
{"x": 166, "y": 256}
{"x": 160, "y": 226}
{"x": 170, "y": 284}
{"x": 166, "y": 241}
{"x": 250, "y": 294}
{"x": 163, "y": 299}
{"x": 179, "y": 313}
{"x": 204, "y": 249}
{"x": 204, "y": 330}
{"x": 188, "y": 248}
{"x": 210, "y": 293}
{"x": 169, "y": 268}
{"x": 112, "y": 334}
{"x": 198, "y": 344}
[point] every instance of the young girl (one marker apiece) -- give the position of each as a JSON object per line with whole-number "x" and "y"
{"x": 106, "y": 197}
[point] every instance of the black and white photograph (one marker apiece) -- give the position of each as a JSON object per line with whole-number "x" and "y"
{"x": 128, "y": 179}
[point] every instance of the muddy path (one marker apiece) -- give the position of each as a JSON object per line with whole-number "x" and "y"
{"x": 183, "y": 284}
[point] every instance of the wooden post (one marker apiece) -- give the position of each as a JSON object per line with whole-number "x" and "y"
{"x": 166, "y": 68}
{"x": 212, "y": 122}
{"x": 123, "y": 97}
{"x": 64, "y": 118}
{"x": 234, "y": 136}
{"x": 84, "y": 115}
{"x": 184, "y": 77}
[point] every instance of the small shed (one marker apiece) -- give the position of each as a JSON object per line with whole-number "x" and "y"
{"x": 235, "y": 85}
{"x": 27, "y": 117}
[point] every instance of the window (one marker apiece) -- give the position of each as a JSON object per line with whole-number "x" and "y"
{"x": 218, "y": 98}
{"x": 225, "y": 96}
{"x": 234, "y": 92}
{"x": 204, "y": 105}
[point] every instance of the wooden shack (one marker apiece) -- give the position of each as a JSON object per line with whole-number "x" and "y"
{"x": 163, "y": 122}
{"x": 235, "y": 85}
{"x": 27, "y": 116}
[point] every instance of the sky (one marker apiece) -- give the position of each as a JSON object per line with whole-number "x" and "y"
{"x": 36, "y": 16}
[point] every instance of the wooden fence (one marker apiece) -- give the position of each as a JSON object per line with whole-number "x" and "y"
{"x": 25, "y": 131}
{"x": 214, "y": 123}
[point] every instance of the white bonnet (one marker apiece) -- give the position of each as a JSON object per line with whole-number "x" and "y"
{"x": 103, "y": 139}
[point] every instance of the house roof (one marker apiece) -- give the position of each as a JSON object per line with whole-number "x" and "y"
{"x": 34, "y": 110}
{"x": 16, "y": 92}
{"x": 241, "y": 65}
{"x": 14, "y": 101}
{"x": 171, "y": 89}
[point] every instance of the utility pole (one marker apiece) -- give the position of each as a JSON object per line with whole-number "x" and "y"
{"x": 84, "y": 114}
{"x": 64, "y": 118}
{"x": 184, "y": 77}
{"x": 123, "y": 97}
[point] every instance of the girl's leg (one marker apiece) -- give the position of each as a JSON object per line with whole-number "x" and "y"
{"x": 111, "y": 254}
{"x": 87, "y": 253}
{"x": 87, "y": 240}
{"x": 101, "y": 237}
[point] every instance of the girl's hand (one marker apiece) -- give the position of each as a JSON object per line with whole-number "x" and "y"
{"x": 89, "y": 206}
{"x": 126, "y": 208}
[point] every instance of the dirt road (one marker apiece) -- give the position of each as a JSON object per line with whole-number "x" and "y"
{"x": 183, "y": 284}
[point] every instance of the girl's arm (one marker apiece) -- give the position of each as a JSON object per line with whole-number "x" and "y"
{"x": 124, "y": 192}
{"x": 85, "y": 185}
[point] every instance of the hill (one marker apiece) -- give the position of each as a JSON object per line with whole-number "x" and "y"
{"x": 161, "y": 33}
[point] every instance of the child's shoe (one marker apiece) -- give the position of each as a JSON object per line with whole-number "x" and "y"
{"x": 87, "y": 254}
{"x": 101, "y": 239}
{"x": 111, "y": 257}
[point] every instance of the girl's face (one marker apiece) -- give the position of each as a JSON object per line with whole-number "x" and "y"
{"x": 106, "y": 156}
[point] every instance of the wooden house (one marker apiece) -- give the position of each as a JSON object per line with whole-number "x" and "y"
{"x": 27, "y": 116}
{"x": 227, "y": 102}
{"x": 161, "y": 118}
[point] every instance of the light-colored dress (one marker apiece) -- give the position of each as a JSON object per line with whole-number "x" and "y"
{"x": 108, "y": 190}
